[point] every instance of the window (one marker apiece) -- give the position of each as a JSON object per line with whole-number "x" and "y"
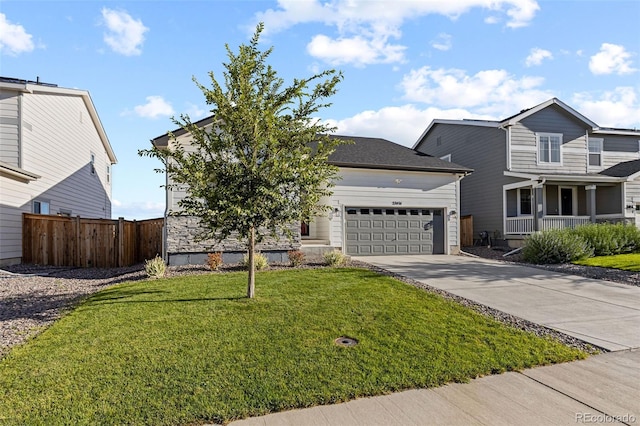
{"x": 40, "y": 207}
{"x": 364, "y": 211}
{"x": 377, "y": 211}
{"x": 64, "y": 212}
{"x": 93, "y": 164}
{"x": 108, "y": 173}
{"x": 549, "y": 146}
{"x": 595, "y": 152}
{"x": 524, "y": 201}
{"x": 390, "y": 211}
{"x": 402, "y": 212}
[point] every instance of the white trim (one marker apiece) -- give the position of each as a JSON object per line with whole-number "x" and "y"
{"x": 622, "y": 132}
{"x": 600, "y": 143}
{"x": 17, "y": 172}
{"x": 521, "y": 175}
{"x": 517, "y": 185}
{"x": 446, "y": 157}
{"x": 549, "y": 136}
{"x": 509, "y": 149}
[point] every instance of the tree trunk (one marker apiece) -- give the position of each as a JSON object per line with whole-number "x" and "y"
{"x": 251, "y": 287}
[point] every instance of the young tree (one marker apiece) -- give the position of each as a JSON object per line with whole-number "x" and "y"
{"x": 262, "y": 165}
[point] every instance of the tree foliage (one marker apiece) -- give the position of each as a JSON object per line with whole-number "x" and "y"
{"x": 262, "y": 165}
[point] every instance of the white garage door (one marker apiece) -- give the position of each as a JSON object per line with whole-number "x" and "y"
{"x": 379, "y": 231}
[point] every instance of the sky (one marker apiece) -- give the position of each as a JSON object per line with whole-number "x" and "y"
{"x": 404, "y": 63}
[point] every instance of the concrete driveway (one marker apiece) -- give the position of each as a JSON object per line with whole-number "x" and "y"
{"x": 603, "y": 313}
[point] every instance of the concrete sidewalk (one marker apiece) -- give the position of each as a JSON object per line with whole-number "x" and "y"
{"x": 602, "y": 389}
{"x": 604, "y": 313}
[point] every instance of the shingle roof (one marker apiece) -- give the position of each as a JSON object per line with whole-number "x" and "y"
{"x": 376, "y": 153}
{"x": 625, "y": 169}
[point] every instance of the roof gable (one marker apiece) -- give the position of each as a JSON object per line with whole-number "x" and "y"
{"x": 39, "y": 87}
{"x": 510, "y": 121}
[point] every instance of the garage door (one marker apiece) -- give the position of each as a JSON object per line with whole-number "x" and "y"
{"x": 379, "y": 231}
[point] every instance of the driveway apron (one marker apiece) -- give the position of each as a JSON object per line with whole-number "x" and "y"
{"x": 600, "y": 312}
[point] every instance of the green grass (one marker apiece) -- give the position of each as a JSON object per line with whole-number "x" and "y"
{"x": 626, "y": 262}
{"x": 193, "y": 349}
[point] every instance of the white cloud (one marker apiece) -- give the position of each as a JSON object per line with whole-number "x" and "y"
{"x": 356, "y": 50}
{"x": 13, "y": 38}
{"x": 617, "y": 108}
{"x": 611, "y": 59}
{"x": 371, "y": 25}
{"x": 401, "y": 124}
{"x": 155, "y": 107}
{"x": 536, "y": 56}
{"x": 492, "y": 92}
{"x": 125, "y": 35}
{"x": 442, "y": 42}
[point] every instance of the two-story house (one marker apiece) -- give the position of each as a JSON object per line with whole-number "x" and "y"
{"x": 389, "y": 199}
{"x": 55, "y": 158}
{"x": 546, "y": 167}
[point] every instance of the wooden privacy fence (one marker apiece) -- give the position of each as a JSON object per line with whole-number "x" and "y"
{"x": 76, "y": 241}
{"x": 466, "y": 231}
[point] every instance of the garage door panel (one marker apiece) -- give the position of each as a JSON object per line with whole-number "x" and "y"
{"x": 383, "y": 231}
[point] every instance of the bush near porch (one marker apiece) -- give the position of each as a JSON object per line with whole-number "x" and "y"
{"x": 570, "y": 245}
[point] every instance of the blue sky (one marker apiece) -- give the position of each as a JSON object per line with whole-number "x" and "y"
{"x": 404, "y": 63}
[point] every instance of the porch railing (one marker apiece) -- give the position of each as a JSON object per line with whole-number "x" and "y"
{"x": 526, "y": 225}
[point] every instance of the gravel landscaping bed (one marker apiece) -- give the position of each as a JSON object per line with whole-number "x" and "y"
{"x": 33, "y": 297}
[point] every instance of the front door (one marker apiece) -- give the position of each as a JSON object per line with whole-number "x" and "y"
{"x": 566, "y": 201}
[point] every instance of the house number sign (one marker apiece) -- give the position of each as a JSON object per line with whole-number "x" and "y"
{"x": 396, "y": 203}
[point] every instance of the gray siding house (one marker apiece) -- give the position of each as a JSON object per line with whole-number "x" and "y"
{"x": 545, "y": 167}
{"x": 390, "y": 200}
{"x": 55, "y": 158}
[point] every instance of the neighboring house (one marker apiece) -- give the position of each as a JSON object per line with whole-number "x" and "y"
{"x": 55, "y": 158}
{"x": 390, "y": 200}
{"x": 545, "y": 167}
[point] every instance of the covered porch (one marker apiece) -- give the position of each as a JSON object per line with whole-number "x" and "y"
{"x": 542, "y": 202}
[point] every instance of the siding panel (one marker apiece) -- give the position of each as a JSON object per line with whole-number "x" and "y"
{"x": 484, "y": 150}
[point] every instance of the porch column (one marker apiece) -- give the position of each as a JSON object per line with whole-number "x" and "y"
{"x": 591, "y": 202}
{"x": 539, "y": 213}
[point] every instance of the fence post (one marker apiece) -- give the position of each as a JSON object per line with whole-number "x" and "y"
{"x": 120, "y": 239}
{"x": 77, "y": 238}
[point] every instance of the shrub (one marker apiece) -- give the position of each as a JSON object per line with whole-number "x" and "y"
{"x": 334, "y": 258}
{"x": 155, "y": 268}
{"x": 214, "y": 260}
{"x": 296, "y": 257}
{"x": 555, "y": 246}
{"x": 608, "y": 239}
{"x": 260, "y": 261}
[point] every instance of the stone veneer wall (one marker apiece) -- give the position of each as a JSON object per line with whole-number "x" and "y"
{"x": 183, "y": 249}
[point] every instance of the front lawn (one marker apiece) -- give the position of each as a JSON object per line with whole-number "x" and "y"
{"x": 626, "y": 262}
{"x": 193, "y": 349}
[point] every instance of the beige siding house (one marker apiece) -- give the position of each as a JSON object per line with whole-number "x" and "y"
{"x": 545, "y": 167}
{"x": 389, "y": 200}
{"x": 55, "y": 158}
